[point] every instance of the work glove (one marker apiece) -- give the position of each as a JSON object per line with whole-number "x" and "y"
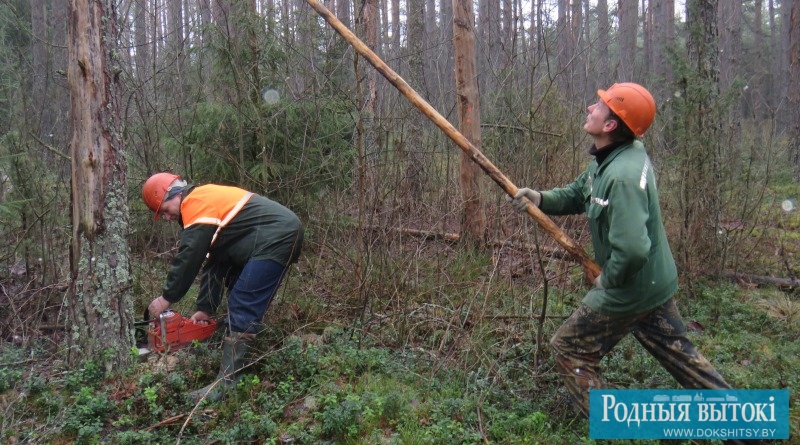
{"x": 598, "y": 282}
{"x": 158, "y": 306}
{"x": 520, "y": 204}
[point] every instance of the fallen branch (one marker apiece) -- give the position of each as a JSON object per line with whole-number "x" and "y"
{"x": 166, "y": 422}
{"x": 522, "y": 317}
{"x": 762, "y": 280}
{"x": 22, "y": 362}
{"x": 552, "y": 252}
{"x": 425, "y": 234}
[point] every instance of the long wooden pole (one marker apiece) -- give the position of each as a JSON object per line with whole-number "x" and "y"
{"x": 591, "y": 269}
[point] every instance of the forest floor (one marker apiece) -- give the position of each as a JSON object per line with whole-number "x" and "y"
{"x": 398, "y": 336}
{"x": 438, "y": 347}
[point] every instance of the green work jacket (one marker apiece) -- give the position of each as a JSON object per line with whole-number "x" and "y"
{"x": 620, "y": 198}
{"x": 261, "y": 229}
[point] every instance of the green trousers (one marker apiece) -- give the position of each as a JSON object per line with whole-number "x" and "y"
{"x": 587, "y": 336}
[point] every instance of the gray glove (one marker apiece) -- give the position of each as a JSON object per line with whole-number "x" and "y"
{"x": 520, "y": 204}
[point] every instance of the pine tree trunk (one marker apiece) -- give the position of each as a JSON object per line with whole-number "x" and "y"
{"x": 473, "y": 221}
{"x": 794, "y": 87}
{"x": 628, "y": 20}
{"x": 702, "y": 155}
{"x": 100, "y": 298}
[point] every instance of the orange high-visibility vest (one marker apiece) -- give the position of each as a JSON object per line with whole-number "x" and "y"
{"x": 213, "y": 204}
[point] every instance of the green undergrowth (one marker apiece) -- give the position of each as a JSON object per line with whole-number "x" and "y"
{"x": 442, "y": 353}
{"x": 335, "y": 388}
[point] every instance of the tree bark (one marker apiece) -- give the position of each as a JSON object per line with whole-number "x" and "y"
{"x": 367, "y": 176}
{"x": 773, "y": 82}
{"x": 473, "y": 220}
{"x": 754, "y": 96}
{"x": 395, "y": 29}
{"x": 784, "y": 68}
{"x": 729, "y": 19}
{"x": 141, "y": 58}
{"x": 100, "y": 298}
{"x": 662, "y": 37}
{"x": 700, "y": 195}
{"x": 414, "y": 146}
{"x": 565, "y": 46}
{"x": 39, "y": 59}
{"x": 793, "y": 88}
{"x": 628, "y": 21}
{"x": 602, "y": 43}
{"x": 47, "y": 54}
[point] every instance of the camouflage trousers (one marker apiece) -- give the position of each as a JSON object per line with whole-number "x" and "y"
{"x": 587, "y": 336}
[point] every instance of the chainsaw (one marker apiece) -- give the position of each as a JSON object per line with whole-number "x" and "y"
{"x": 170, "y": 332}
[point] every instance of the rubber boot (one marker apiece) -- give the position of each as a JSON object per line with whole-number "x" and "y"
{"x": 234, "y": 358}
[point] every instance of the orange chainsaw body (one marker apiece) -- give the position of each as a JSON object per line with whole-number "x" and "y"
{"x": 172, "y": 331}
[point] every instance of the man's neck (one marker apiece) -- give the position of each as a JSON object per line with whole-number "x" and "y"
{"x": 600, "y": 153}
{"x": 602, "y": 141}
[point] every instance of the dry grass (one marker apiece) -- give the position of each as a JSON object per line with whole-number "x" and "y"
{"x": 781, "y": 306}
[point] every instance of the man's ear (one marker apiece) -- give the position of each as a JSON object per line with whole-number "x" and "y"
{"x": 610, "y": 125}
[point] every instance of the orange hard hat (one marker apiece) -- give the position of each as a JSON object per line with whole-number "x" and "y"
{"x": 155, "y": 188}
{"x": 632, "y": 103}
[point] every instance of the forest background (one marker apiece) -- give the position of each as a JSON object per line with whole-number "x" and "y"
{"x": 421, "y": 308}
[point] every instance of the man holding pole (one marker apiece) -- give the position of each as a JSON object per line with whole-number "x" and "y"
{"x": 634, "y": 292}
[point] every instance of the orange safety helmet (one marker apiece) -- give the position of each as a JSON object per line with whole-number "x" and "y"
{"x": 632, "y": 103}
{"x": 155, "y": 188}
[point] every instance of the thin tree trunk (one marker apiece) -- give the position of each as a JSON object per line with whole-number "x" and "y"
{"x": 473, "y": 221}
{"x": 414, "y": 147}
{"x": 565, "y": 45}
{"x": 754, "y": 94}
{"x": 48, "y": 57}
{"x": 730, "y": 38}
{"x": 701, "y": 194}
{"x": 140, "y": 39}
{"x": 507, "y": 37}
{"x": 628, "y": 20}
{"x": 367, "y": 25}
{"x": 794, "y": 86}
{"x": 395, "y": 28}
{"x": 784, "y": 116}
{"x": 602, "y": 43}
{"x": 773, "y": 81}
{"x": 662, "y": 37}
{"x": 577, "y": 65}
{"x": 175, "y": 39}
{"x": 40, "y": 61}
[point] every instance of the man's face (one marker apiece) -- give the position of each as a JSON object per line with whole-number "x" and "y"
{"x": 598, "y": 121}
{"x": 170, "y": 209}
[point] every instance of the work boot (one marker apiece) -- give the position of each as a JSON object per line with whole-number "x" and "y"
{"x": 234, "y": 352}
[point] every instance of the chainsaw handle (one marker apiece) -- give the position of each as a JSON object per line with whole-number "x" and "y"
{"x": 163, "y": 327}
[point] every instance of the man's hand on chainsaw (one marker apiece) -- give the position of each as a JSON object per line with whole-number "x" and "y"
{"x": 201, "y": 317}
{"x": 158, "y": 306}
